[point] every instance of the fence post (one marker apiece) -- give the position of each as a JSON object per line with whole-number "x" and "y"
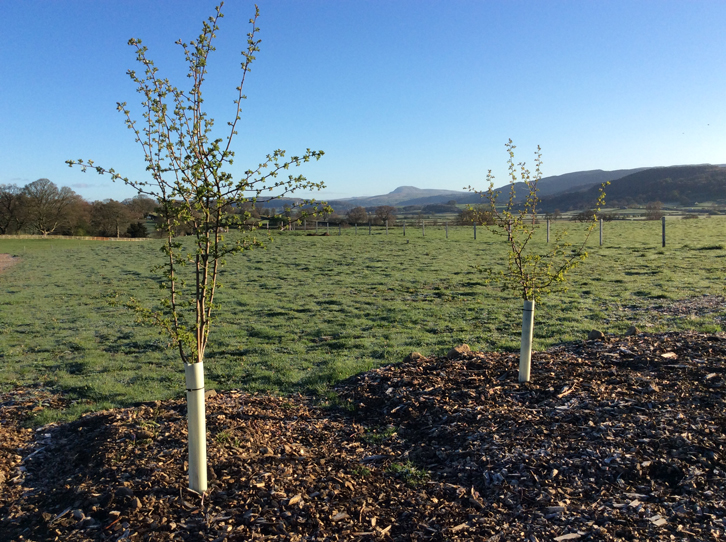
{"x": 548, "y": 230}
{"x": 474, "y": 231}
{"x": 601, "y": 232}
{"x": 404, "y": 229}
{"x": 423, "y": 228}
{"x": 356, "y": 228}
{"x": 447, "y": 229}
{"x": 663, "y": 222}
{"x": 369, "y": 228}
{"x": 327, "y": 228}
{"x": 386, "y": 226}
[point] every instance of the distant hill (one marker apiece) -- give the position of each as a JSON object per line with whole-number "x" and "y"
{"x": 410, "y": 195}
{"x": 683, "y": 185}
{"x": 402, "y": 195}
{"x": 577, "y": 190}
{"x": 278, "y": 204}
{"x": 581, "y": 180}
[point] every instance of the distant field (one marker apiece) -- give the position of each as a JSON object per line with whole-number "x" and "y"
{"x": 310, "y": 311}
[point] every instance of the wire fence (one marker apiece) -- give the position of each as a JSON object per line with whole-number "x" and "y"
{"x": 419, "y": 228}
{"x": 415, "y": 228}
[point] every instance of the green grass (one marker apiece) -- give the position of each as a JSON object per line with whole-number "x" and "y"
{"x": 226, "y": 438}
{"x": 361, "y": 472}
{"x": 408, "y": 472}
{"x": 308, "y": 312}
{"x": 378, "y": 435}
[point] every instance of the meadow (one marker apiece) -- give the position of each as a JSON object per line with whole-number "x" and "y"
{"x": 310, "y": 311}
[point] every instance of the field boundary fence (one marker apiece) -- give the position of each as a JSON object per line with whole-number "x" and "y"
{"x": 408, "y": 228}
{"x": 405, "y": 228}
{"x": 73, "y": 238}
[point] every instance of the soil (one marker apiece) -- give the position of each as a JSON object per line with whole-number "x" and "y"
{"x": 615, "y": 439}
{"x": 7, "y": 260}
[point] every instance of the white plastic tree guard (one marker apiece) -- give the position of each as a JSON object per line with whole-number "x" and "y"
{"x": 197, "y": 427}
{"x": 525, "y": 353}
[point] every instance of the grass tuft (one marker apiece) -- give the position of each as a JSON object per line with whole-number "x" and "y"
{"x": 408, "y": 472}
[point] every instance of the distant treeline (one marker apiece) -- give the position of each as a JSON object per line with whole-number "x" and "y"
{"x": 472, "y": 214}
{"x": 42, "y": 208}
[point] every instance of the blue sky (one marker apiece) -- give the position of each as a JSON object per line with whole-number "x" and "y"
{"x": 421, "y": 93}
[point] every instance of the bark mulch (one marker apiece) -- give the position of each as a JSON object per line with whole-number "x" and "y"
{"x": 619, "y": 439}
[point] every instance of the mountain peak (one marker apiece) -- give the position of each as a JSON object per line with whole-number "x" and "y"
{"x": 405, "y": 190}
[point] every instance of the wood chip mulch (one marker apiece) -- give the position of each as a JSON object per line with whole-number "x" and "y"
{"x": 620, "y": 439}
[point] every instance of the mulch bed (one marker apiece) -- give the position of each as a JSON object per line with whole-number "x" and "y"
{"x": 619, "y": 439}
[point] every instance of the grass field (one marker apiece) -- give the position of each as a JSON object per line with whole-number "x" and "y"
{"x": 310, "y": 311}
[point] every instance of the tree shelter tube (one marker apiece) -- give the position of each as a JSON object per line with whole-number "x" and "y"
{"x": 197, "y": 426}
{"x": 525, "y": 353}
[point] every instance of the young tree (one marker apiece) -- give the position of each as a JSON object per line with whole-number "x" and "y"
{"x": 193, "y": 188}
{"x": 529, "y": 272}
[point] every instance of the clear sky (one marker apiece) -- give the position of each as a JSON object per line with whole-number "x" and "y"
{"x": 396, "y": 92}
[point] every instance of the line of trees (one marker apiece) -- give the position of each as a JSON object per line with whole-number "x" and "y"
{"x": 42, "y": 208}
{"x": 361, "y": 215}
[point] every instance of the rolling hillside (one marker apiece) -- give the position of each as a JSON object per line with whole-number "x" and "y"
{"x": 410, "y": 195}
{"x": 684, "y": 185}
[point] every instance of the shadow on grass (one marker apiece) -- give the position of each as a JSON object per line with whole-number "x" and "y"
{"x": 132, "y": 347}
